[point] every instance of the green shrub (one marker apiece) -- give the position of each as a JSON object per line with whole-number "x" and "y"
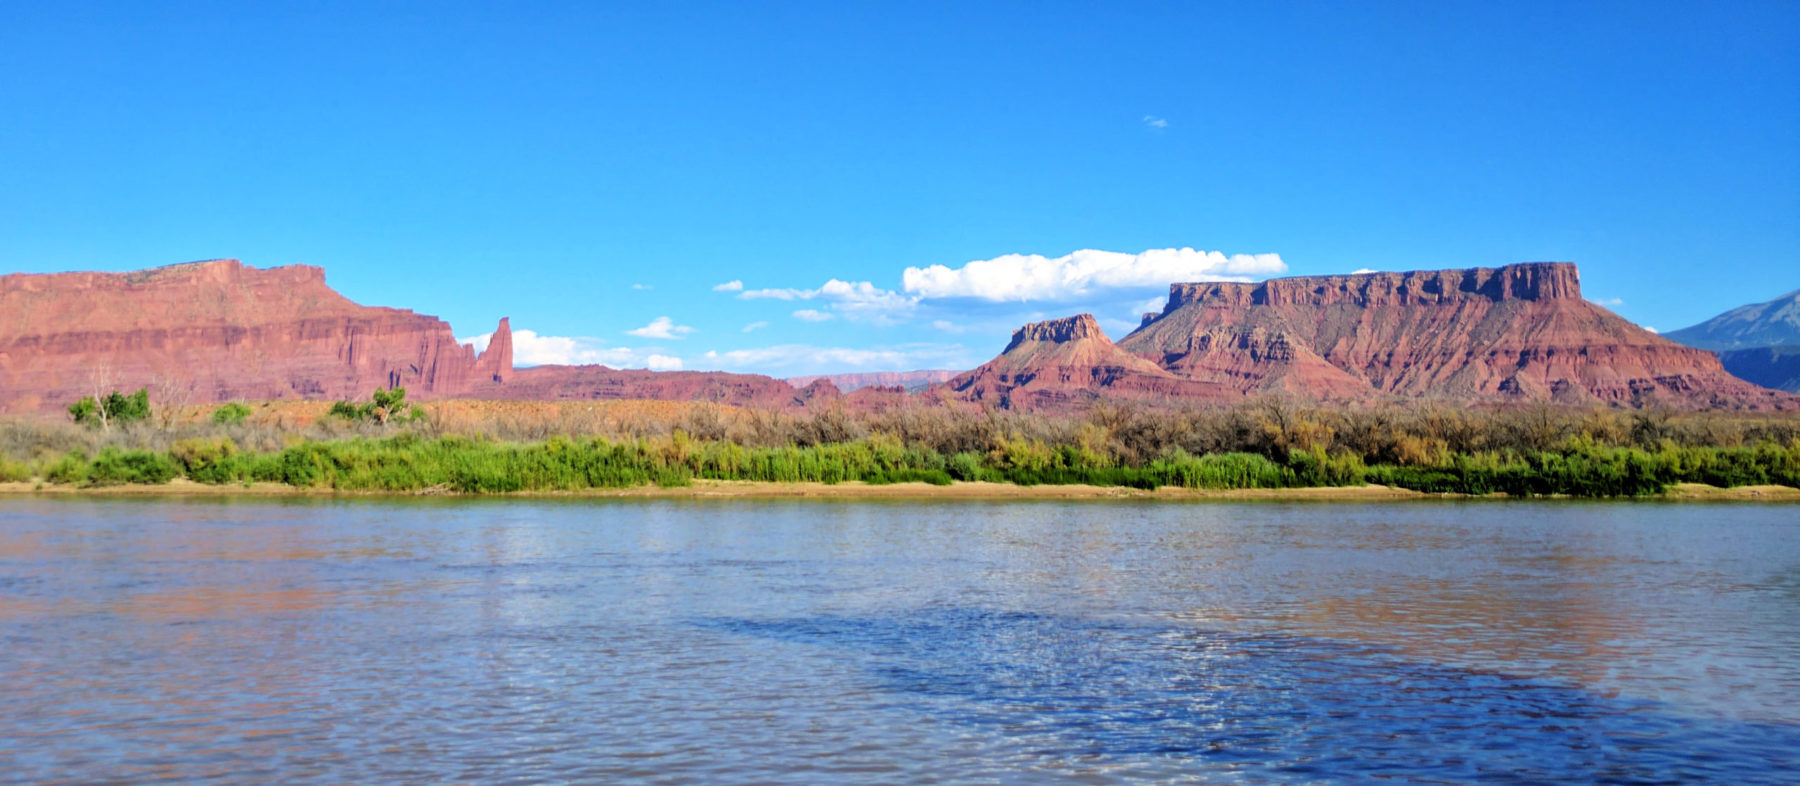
{"x": 13, "y": 471}
{"x": 230, "y": 414}
{"x": 964, "y": 466}
{"x": 71, "y": 468}
{"x": 211, "y": 460}
{"x": 116, "y": 467}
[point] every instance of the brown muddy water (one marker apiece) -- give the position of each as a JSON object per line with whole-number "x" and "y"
{"x": 741, "y": 641}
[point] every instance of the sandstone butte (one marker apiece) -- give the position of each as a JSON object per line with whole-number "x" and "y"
{"x": 219, "y": 331}
{"x": 1518, "y": 333}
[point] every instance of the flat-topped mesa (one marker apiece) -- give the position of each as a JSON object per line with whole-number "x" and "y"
{"x": 211, "y": 271}
{"x": 1514, "y": 333}
{"x": 216, "y": 330}
{"x": 1527, "y": 281}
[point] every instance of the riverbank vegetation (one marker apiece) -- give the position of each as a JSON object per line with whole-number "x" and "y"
{"x": 494, "y": 447}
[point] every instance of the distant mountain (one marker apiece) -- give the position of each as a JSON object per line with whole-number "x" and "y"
{"x": 910, "y": 380}
{"x": 1770, "y": 367}
{"x": 1771, "y": 324}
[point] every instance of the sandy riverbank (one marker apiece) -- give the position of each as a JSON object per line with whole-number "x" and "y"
{"x": 715, "y": 489}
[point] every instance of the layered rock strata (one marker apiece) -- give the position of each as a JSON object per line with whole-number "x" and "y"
{"x": 1069, "y": 363}
{"x": 218, "y": 331}
{"x": 1515, "y": 333}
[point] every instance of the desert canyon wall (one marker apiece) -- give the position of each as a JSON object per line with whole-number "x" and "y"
{"x": 218, "y": 331}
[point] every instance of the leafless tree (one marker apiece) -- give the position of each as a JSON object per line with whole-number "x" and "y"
{"x": 102, "y": 379}
{"x": 170, "y": 395}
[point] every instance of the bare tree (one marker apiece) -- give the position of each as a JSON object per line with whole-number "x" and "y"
{"x": 102, "y": 379}
{"x": 172, "y": 395}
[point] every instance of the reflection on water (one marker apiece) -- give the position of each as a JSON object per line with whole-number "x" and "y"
{"x": 821, "y": 642}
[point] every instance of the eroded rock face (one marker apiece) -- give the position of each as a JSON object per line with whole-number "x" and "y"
{"x": 1068, "y": 363}
{"x": 897, "y": 379}
{"x": 1514, "y": 333}
{"x": 218, "y": 331}
{"x": 599, "y": 383}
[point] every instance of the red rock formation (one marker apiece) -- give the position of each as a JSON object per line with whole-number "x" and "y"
{"x": 1068, "y": 363}
{"x": 216, "y": 331}
{"x": 496, "y": 363}
{"x": 1515, "y": 333}
{"x": 565, "y": 383}
{"x": 899, "y": 379}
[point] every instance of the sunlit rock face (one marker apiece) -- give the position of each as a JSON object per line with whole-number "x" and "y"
{"x": 216, "y": 331}
{"x": 1069, "y": 363}
{"x": 1514, "y": 333}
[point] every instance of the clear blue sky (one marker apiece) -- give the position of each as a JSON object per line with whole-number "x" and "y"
{"x": 588, "y": 168}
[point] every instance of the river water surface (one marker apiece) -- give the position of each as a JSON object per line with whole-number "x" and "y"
{"x": 829, "y": 642}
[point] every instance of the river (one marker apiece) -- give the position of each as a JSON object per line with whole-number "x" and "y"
{"x": 747, "y": 641}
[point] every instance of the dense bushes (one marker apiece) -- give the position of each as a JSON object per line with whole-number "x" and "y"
{"x": 1265, "y": 444}
{"x": 410, "y": 463}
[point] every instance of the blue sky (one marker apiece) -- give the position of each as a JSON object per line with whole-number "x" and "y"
{"x": 597, "y": 171}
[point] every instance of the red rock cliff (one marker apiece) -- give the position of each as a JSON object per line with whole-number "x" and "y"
{"x": 1519, "y": 332}
{"x": 218, "y": 331}
{"x": 1067, "y": 363}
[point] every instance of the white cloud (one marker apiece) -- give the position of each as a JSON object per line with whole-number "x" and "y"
{"x": 855, "y": 300}
{"x": 811, "y": 315}
{"x": 758, "y": 325}
{"x": 663, "y": 363}
{"x": 1152, "y": 121}
{"x": 1021, "y": 277}
{"x": 641, "y": 287}
{"x": 730, "y": 286}
{"x": 531, "y": 349}
{"x": 1362, "y": 270}
{"x": 1651, "y": 329}
{"x": 663, "y": 328}
{"x": 787, "y": 359}
{"x": 1611, "y": 302}
{"x": 1156, "y": 304}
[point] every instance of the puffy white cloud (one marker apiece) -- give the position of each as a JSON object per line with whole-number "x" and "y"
{"x": 802, "y": 358}
{"x": 531, "y": 349}
{"x": 758, "y": 325}
{"x": 1651, "y": 329}
{"x": 855, "y": 300}
{"x": 663, "y": 328}
{"x": 1021, "y": 277}
{"x": 1362, "y": 270}
{"x": 1152, "y": 121}
{"x": 641, "y": 287}
{"x": 663, "y": 363}
{"x": 730, "y": 286}
{"x": 811, "y": 315}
